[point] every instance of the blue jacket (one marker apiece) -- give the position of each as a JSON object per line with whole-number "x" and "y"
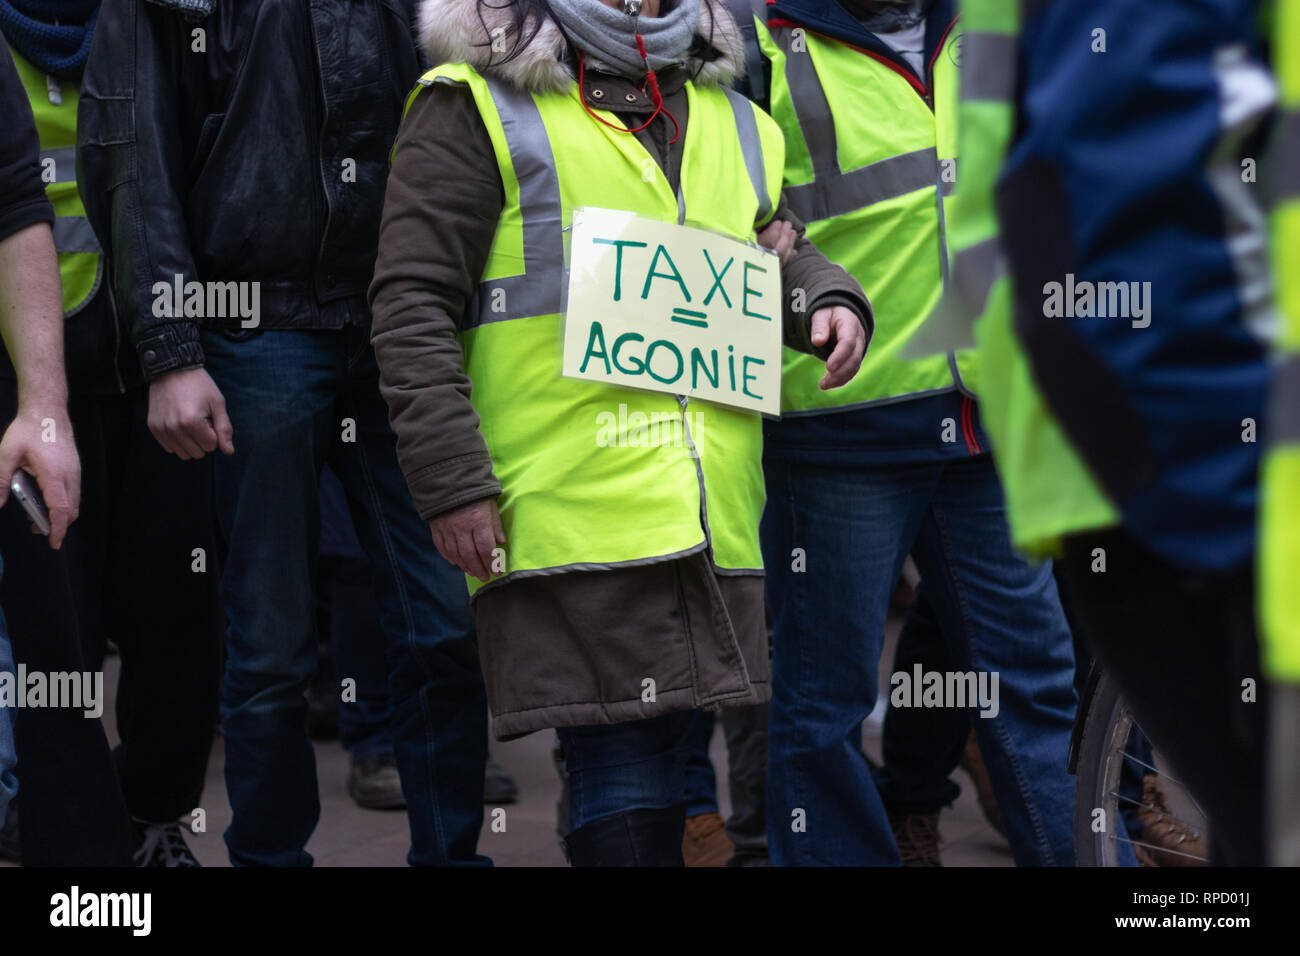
{"x": 1127, "y": 167}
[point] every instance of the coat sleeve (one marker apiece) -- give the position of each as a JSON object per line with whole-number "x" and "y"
{"x": 811, "y": 282}
{"x": 22, "y": 194}
{"x": 132, "y": 173}
{"x": 440, "y": 215}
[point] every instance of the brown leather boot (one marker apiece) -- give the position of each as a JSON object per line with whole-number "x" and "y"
{"x": 917, "y": 835}
{"x": 705, "y": 842}
{"x": 1174, "y": 843}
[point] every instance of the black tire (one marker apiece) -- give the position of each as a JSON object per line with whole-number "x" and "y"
{"x": 1106, "y": 720}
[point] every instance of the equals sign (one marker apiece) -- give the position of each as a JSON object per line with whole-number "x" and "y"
{"x": 688, "y": 317}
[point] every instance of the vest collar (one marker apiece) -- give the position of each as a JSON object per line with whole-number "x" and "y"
{"x": 452, "y": 32}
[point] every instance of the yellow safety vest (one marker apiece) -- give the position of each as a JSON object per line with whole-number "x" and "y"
{"x": 869, "y": 159}
{"x": 669, "y": 477}
{"x": 1279, "y": 556}
{"x": 54, "y": 104}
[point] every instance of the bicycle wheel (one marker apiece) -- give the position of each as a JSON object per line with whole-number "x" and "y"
{"x": 1101, "y": 795}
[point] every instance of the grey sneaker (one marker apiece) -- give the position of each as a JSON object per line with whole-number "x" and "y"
{"x": 373, "y": 783}
{"x": 161, "y": 844}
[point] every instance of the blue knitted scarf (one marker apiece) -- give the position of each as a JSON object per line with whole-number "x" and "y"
{"x": 53, "y": 35}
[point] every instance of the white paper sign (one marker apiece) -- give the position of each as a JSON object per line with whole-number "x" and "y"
{"x": 669, "y": 308}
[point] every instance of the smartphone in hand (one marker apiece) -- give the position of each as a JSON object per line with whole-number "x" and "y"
{"x": 24, "y": 488}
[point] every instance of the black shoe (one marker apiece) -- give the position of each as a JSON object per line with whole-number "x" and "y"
{"x": 499, "y": 787}
{"x": 161, "y": 844}
{"x": 635, "y": 838}
{"x": 373, "y": 782}
{"x": 10, "y": 847}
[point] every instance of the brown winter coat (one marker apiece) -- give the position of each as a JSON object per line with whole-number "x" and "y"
{"x": 578, "y": 647}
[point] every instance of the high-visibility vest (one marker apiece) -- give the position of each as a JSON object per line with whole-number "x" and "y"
{"x": 870, "y": 154}
{"x": 672, "y": 476}
{"x": 1279, "y": 555}
{"x": 1050, "y": 492}
{"x": 54, "y": 105}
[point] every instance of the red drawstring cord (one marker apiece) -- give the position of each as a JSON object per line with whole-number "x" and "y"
{"x": 655, "y": 96}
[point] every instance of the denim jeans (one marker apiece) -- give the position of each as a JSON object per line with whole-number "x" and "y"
{"x": 637, "y": 765}
{"x": 701, "y": 781}
{"x": 8, "y": 785}
{"x": 921, "y": 746}
{"x": 346, "y": 583}
{"x": 298, "y": 400}
{"x": 745, "y": 730}
{"x": 854, "y": 526}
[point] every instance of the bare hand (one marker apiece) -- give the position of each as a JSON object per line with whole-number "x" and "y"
{"x": 839, "y": 325}
{"x": 780, "y": 237}
{"x": 467, "y": 536}
{"x": 187, "y": 414}
{"x": 54, "y": 464}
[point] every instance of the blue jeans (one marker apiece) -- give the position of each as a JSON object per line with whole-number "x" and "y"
{"x": 921, "y": 746}
{"x": 855, "y": 525}
{"x": 637, "y": 765}
{"x": 701, "y": 781}
{"x": 298, "y": 400}
{"x": 8, "y": 785}
{"x": 346, "y": 580}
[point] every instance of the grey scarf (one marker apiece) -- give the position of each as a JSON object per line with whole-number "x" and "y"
{"x": 606, "y": 38}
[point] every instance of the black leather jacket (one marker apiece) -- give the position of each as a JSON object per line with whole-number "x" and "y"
{"x": 250, "y": 145}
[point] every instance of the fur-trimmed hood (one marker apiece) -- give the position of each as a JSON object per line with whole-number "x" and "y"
{"x": 451, "y": 31}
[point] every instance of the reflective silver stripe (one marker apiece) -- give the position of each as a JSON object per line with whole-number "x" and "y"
{"x": 974, "y": 270}
{"x": 839, "y": 193}
{"x": 65, "y": 163}
{"x": 752, "y": 148}
{"x": 540, "y": 290}
{"x": 73, "y": 234}
{"x": 1284, "y": 156}
{"x": 833, "y": 192}
{"x": 1284, "y": 403}
{"x": 988, "y": 66}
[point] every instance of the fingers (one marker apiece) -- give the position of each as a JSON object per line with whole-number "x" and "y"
{"x": 485, "y": 542}
{"x": 200, "y": 432}
{"x": 497, "y": 530}
{"x": 72, "y": 486}
{"x": 222, "y": 427}
{"x": 468, "y": 537}
{"x": 57, "y": 504}
{"x": 821, "y": 327}
{"x": 780, "y": 237}
{"x": 846, "y": 358}
{"x": 470, "y": 559}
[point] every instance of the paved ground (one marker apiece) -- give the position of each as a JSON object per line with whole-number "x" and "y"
{"x": 350, "y": 836}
